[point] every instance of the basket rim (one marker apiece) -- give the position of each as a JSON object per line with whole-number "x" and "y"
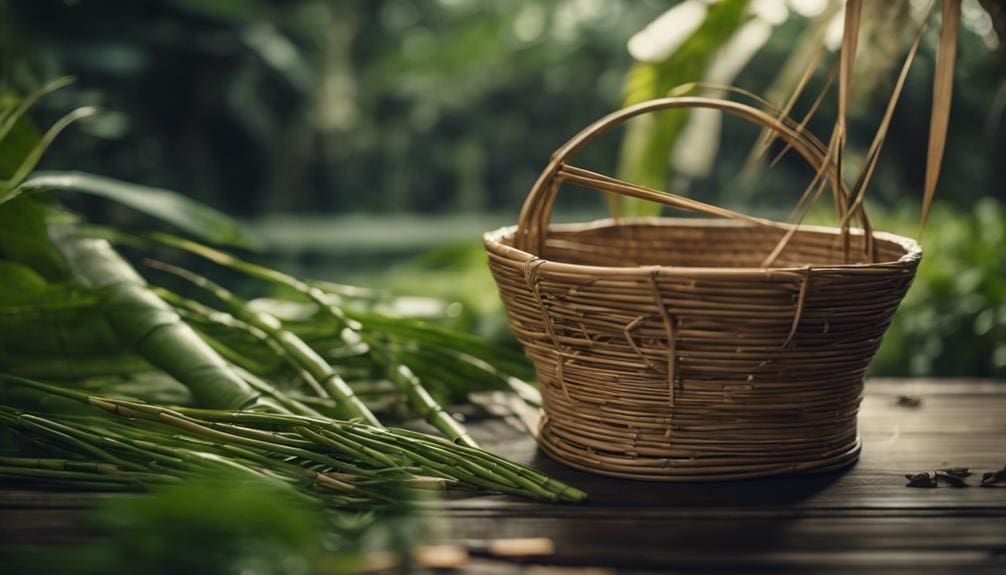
{"x": 494, "y": 242}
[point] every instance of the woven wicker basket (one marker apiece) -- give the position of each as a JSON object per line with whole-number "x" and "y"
{"x": 664, "y": 348}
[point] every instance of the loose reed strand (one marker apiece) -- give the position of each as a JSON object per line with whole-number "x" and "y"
{"x": 943, "y": 83}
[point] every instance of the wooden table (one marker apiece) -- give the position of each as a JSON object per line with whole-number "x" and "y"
{"x": 861, "y": 519}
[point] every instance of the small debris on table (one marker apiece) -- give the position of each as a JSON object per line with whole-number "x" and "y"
{"x": 951, "y": 479}
{"x": 993, "y": 477}
{"x": 908, "y": 401}
{"x": 954, "y": 477}
{"x": 920, "y": 480}
{"x": 960, "y": 472}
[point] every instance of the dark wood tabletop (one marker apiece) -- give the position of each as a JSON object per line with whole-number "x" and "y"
{"x": 861, "y": 519}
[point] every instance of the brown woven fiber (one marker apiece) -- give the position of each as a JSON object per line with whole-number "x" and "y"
{"x": 697, "y": 349}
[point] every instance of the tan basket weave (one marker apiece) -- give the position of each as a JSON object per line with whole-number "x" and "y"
{"x": 664, "y": 349}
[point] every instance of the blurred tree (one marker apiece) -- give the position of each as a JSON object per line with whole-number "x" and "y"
{"x": 305, "y": 105}
{"x": 260, "y": 106}
{"x": 721, "y": 43}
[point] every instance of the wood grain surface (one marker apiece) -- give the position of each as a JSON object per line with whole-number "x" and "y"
{"x": 861, "y": 519}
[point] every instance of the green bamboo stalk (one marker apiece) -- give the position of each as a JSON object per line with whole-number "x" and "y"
{"x": 326, "y": 480}
{"x": 421, "y": 399}
{"x": 230, "y": 456}
{"x": 292, "y": 404}
{"x": 197, "y": 312}
{"x": 133, "y": 455}
{"x": 527, "y": 473}
{"x": 40, "y": 426}
{"x": 145, "y": 323}
{"x": 187, "y": 455}
{"x": 131, "y": 477}
{"x": 346, "y": 445}
{"x": 270, "y": 442}
{"x": 59, "y": 464}
{"x": 230, "y": 355}
{"x": 449, "y": 460}
{"x": 72, "y": 472}
{"x": 428, "y": 408}
{"x": 510, "y": 361}
{"x": 477, "y": 461}
{"x": 348, "y": 405}
{"x": 354, "y": 448}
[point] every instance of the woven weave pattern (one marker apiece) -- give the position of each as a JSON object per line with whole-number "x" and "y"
{"x": 687, "y": 362}
{"x": 686, "y": 350}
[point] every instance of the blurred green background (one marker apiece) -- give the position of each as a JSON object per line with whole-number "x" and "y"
{"x": 374, "y": 141}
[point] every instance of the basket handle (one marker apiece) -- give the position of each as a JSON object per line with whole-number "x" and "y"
{"x": 537, "y": 209}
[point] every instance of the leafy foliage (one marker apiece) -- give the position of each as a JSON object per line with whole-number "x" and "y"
{"x": 266, "y": 106}
{"x": 254, "y": 366}
{"x": 173, "y": 208}
{"x": 953, "y": 321}
{"x": 221, "y": 524}
{"x": 649, "y": 140}
{"x": 25, "y": 238}
{"x": 225, "y": 523}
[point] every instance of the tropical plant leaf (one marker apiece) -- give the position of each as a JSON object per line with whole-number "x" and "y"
{"x": 646, "y": 148}
{"x": 18, "y": 280}
{"x": 694, "y": 154}
{"x": 14, "y": 113}
{"x": 24, "y": 290}
{"x": 25, "y": 240}
{"x": 186, "y": 214}
{"x": 24, "y": 236}
{"x": 19, "y": 139}
{"x": 10, "y": 186}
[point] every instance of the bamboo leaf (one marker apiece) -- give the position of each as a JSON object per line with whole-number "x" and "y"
{"x": 18, "y": 280}
{"x": 25, "y": 238}
{"x": 9, "y": 187}
{"x": 11, "y": 117}
{"x": 23, "y": 290}
{"x": 186, "y": 214}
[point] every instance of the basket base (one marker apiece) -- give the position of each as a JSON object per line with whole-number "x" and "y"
{"x": 579, "y": 458}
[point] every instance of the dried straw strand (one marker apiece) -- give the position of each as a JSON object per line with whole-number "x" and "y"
{"x": 943, "y": 83}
